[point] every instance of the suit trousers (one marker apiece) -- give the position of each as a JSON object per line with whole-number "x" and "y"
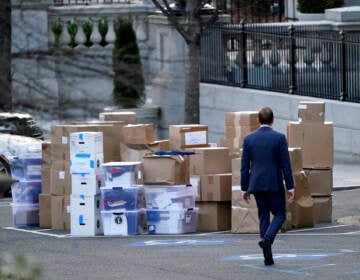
{"x": 274, "y": 203}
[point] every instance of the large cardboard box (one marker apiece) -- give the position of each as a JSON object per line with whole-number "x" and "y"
{"x": 138, "y": 133}
{"x": 210, "y": 160}
{"x": 316, "y": 141}
{"x": 59, "y": 152}
{"x": 214, "y": 216}
{"x": 320, "y": 181}
{"x": 242, "y": 118}
{"x": 302, "y": 212}
{"x": 45, "y": 210}
{"x": 234, "y": 145}
{"x": 216, "y": 187}
{"x": 296, "y": 159}
{"x": 239, "y": 131}
{"x": 188, "y": 136}
{"x": 60, "y": 180}
{"x": 135, "y": 152}
{"x": 244, "y": 220}
{"x": 170, "y": 170}
{"x": 238, "y": 201}
{"x": 311, "y": 111}
{"x": 322, "y": 209}
{"x": 126, "y": 117}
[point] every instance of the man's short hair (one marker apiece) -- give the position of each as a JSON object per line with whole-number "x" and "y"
{"x": 266, "y": 115}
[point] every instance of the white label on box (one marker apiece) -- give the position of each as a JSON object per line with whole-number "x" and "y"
{"x": 62, "y": 175}
{"x": 64, "y": 140}
{"x": 195, "y": 182}
{"x": 33, "y": 170}
{"x": 195, "y": 137}
{"x": 302, "y": 106}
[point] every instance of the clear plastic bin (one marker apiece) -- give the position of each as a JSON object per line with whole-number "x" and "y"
{"x": 171, "y": 221}
{"x": 26, "y": 192}
{"x": 130, "y": 198}
{"x": 25, "y": 168}
{"x": 121, "y": 174}
{"x": 170, "y": 196}
{"x": 124, "y": 223}
{"x": 25, "y": 215}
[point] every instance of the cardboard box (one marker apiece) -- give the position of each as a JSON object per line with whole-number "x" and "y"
{"x": 244, "y": 220}
{"x": 243, "y": 118}
{"x": 127, "y": 117}
{"x": 234, "y": 145}
{"x": 301, "y": 183}
{"x": 45, "y": 210}
{"x": 296, "y": 159}
{"x": 311, "y": 111}
{"x": 86, "y": 143}
{"x": 57, "y": 212}
{"x": 59, "y": 152}
{"x": 302, "y": 212}
{"x": 316, "y": 141}
{"x": 323, "y": 209}
{"x": 66, "y": 213}
{"x": 138, "y": 133}
{"x": 211, "y": 160}
{"x": 216, "y": 187}
{"x": 60, "y": 180}
{"x": 214, "y": 216}
{"x": 239, "y": 131}
{"x": 188, "y": 136}
{"x": 320, "y": 181}
{"x": 45, "y": 180}
{"x": 135, "y": 152}
{"x": 170, "y": 170}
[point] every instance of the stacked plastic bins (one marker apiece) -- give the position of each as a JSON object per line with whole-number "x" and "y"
{"x": 123, "y": 201}
{"x": 26, "y": 170}
{"x": 86, "y": 157}
{"x": 170, "y": 209}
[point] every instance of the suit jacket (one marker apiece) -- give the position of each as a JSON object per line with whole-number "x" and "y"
{"x": 265, "y": 162}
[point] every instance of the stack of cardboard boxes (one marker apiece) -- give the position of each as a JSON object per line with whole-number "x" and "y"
{"x": 212, "y": 167}
{"x": 237, "y": 126}
{"x": 315, "y": 137}
{"x": 86, "y": 157}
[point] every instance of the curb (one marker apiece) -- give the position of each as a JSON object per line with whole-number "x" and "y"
{"x": 346, "y": 188}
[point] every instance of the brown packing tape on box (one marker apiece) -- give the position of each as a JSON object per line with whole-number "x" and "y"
{"x": 244, "y": 220}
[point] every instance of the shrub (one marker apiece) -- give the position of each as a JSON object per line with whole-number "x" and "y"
{"x": 129, "y": 83}
{"x": 318, "y": 6}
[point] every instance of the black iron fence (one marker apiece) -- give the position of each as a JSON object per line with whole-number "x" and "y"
{"x": 301, "y": 60}
{"x": 90, "y": 2}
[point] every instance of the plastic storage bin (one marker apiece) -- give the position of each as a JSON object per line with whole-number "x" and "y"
{"x": 25, "y": 215}
{"x": 124, "y": 223}
{"x": 121, "y": 174}
{"x": 26, "y": 192}
{"x": 131, "y": 198}
{"x": 171, "y": 221}
{"x": 25, "y": 168}
{"x": 170, "y": 196}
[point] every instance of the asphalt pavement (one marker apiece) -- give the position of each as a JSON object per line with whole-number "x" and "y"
{"x": 327, "y": 251}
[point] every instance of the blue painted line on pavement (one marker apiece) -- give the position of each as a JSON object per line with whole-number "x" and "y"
{"x": 182, "y": 242}
{"x": 283, "y": 257}
{"x": 354, "y": 272}
{"x": 269, "y": 268}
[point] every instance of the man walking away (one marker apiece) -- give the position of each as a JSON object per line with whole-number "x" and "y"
{"x": 265, "y": 164}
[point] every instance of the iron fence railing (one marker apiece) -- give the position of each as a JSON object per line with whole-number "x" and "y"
{"x": 91, "y": 2}
{"x": 296, "y": 60}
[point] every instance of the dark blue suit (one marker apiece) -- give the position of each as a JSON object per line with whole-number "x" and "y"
{"x": 265, "y": 164}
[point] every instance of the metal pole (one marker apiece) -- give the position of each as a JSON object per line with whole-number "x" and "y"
{"x": 292, "y": 86}
{"x": 343, "y": 93}
{"x": 243, "y": 56}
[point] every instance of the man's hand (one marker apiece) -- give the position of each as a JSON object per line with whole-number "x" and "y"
{"x": 290, "y": 195}
{"x": 246, "y": 197}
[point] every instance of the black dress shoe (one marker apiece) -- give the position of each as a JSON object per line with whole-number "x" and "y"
{"x": 266, "y": 247}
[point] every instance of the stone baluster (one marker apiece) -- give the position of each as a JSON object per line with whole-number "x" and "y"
{"x": 110, "y": 36}
{"x": 95, "y": 36}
